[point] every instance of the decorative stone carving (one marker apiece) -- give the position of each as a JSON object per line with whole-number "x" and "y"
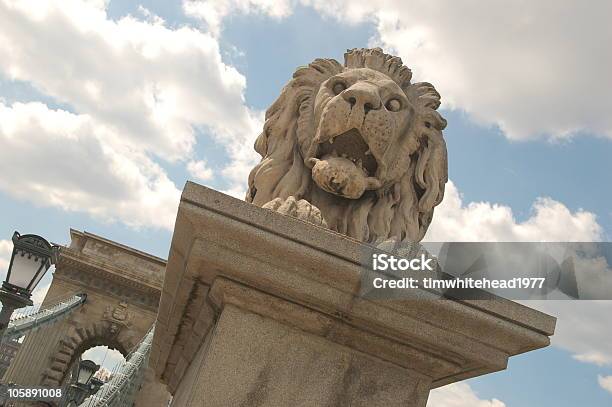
{"x": 118, "y": 316}
{"x": 109, "y": 284}
{"x": 357, "y": 148}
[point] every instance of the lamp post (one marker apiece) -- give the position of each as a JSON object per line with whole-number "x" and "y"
{"x": 32, "y": 256}
{"x": 82, "y": 386}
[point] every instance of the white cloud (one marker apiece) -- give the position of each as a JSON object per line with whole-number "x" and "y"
{"x": 137, "y": 91}
{"x": 459, "y": 395}
{"x": 243, "y": 158}
{"x": 605, "y": 382}
{"x": 152, "y": 84}
{"x": 483, "y": 221}
{"x": 56, "y": 158}
{"x": 199, "y": 170}
{"x": 582, "y": 328}
{"x": 212, "y": 12}
{"x": 594, "y": 357}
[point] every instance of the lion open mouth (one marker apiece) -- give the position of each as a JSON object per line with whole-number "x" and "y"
{"x": 343, "y": 165}
{"x": 352, "y": 146}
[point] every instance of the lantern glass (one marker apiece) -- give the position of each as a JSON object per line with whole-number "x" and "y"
{"x": 46, "y": 264}
{"x": 31, "y": 259}
{"x": 26, "y": 269}
{"x": 87, "y": 368}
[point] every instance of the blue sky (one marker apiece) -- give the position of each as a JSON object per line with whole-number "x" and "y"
{"x": 123, "y": 102}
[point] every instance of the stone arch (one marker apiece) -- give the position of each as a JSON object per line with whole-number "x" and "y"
{"x": 78, "y": 340}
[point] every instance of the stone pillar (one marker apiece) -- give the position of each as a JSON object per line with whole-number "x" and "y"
{"x": 259, "y": 309}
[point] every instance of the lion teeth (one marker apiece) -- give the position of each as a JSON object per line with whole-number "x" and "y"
{"x": 331, "y": 140}
{"x": 368, "y": 152}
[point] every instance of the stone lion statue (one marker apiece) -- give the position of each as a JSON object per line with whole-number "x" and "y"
{"x": 356, "y": 148}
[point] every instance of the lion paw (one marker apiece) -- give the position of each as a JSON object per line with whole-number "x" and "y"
{"x": 301, "y": 209}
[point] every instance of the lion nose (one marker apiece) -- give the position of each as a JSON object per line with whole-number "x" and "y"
{"x": 362, "y": 95}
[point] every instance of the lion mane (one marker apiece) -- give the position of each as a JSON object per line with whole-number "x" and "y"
{"x": 403, "y": 207}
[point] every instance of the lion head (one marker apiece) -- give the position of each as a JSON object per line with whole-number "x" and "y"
{"x": 360, "y": 142}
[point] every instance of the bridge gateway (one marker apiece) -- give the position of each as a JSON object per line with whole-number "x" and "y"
{"x": 123, "y": 287}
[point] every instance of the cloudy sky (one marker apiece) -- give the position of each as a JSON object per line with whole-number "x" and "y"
{"x": 108, "y": 107}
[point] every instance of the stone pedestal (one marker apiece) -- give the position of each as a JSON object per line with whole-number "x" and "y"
{"x": 259, "y": 309}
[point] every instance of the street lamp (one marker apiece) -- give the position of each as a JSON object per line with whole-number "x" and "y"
{"x": 87, "y": 368}
{"x": 81, "y": 388}
{"x": 32, "y": 256}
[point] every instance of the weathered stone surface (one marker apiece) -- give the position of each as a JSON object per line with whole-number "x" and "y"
{"x": 355, "y": 147}
{"x": 256, "y": 361}
{"x": 268, "y": 281}
{"x": 152, "y": 393}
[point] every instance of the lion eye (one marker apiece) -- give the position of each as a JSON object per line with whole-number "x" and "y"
{"x": 393, "y": 105}
{"x": 338, "y": 87}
